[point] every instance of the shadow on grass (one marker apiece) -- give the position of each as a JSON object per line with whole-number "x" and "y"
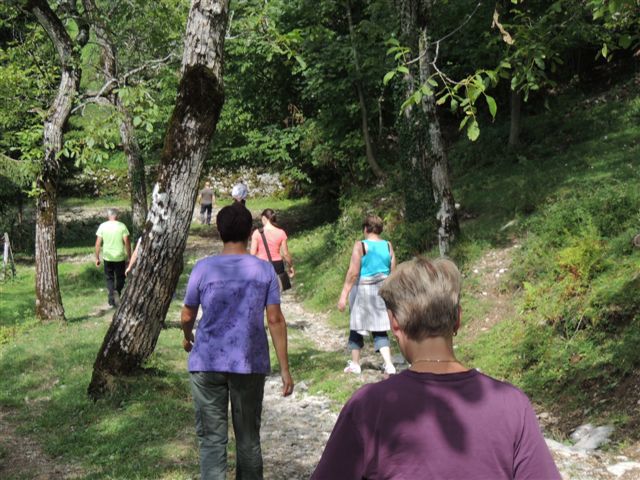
{"x": 138, "y": 432}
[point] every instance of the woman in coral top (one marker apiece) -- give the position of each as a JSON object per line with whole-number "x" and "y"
{"x": 276, "y": 240}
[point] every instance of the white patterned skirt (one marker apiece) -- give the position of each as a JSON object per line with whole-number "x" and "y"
{"x": 368, "y": 311}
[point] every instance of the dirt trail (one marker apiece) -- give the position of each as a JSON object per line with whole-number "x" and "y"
{"x": 22, "y": 457}
{"x": 295, "y": 429}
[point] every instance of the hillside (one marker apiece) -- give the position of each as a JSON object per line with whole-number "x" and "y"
{"x": 551, "y": 275}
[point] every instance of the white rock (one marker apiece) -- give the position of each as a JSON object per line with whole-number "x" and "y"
{"x": 621, "y": 468}
{"x": 581, "y": 432}
{"x": 596, "y": 438}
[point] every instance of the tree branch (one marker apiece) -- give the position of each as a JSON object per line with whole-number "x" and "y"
{"x": 448, "y": 35}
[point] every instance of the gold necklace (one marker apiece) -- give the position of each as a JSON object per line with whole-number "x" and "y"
{"x": 434, "y": 360}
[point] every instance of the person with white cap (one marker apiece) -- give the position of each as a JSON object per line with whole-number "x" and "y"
{"x": 239, "y": 193}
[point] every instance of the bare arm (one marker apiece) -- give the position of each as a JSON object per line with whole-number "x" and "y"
{"x": 134, "y": 257}
{"x": 97, "y": 248}
{"x": 284, "y": 250}
{"x": 278, "y": 331}
{"x": 187, "y": 320}
{"x": 127, "y": 245}
{"x": 254, "y": 245}
{"x": 352, "y": 275}
{"x": 393, "y": 257}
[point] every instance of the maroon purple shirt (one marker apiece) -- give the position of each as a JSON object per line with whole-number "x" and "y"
{"x": 233, "y": 291}
{"x": 437, "y": 426}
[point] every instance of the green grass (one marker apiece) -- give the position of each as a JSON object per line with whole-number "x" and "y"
{"x": 143, "y": 430}
{"x": 100, "y": 202}
{"x": 570, "y": 196}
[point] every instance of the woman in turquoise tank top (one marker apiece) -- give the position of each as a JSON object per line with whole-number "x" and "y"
{"x": 372, "y": 260}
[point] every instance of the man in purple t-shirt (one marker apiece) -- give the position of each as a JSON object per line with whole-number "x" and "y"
{"x": 229, "y": 355}
{"x": 438, "y": 419}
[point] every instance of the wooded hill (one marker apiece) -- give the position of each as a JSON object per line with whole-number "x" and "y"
{"x": 522, "y": 112}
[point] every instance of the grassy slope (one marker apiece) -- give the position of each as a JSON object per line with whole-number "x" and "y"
{"x": 145, "y": 430}
{"x": 571, "y": 195}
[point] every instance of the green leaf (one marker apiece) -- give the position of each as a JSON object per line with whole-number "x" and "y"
{"x": 149, "y": 127}
{"x": 625, "y": 41}
{"x": 426, "y": 90}
{"x": 539, "y": 62}
{"x": 137, "y": 121}
{"x": 473, "y": 130}
{"x": 604, "y": 50}
{"x": 432, "y": 82}
{"x": 493, "y": 108}
{"x": 403, "y": 69}
{"x": 301, "y": 62}
{"x": 387, "y": 78}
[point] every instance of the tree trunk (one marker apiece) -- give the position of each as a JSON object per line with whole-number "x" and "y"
{"x": 371, "y": 159}
{"x": 136, "y": 325}
{"x": 516, "y": 115}
{"x": 135, "y": 164}
{"x": 413, "y": 132}
{"x": 437, "y": 157}
{"x": 48, "y": 298}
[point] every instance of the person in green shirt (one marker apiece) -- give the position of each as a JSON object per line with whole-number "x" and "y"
{"x": 113, "y": 237}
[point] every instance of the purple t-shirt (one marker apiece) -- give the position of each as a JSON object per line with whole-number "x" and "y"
{"x": 429, "y": 426}
{"x": 233, "y": 291}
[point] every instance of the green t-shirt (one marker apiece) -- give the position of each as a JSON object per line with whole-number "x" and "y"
{"x": 112, "y": 234}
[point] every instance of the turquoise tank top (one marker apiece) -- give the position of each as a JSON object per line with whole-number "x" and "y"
{"x": 377, "y": 260}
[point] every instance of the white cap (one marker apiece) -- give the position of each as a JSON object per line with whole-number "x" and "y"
{"x": 239, "y": 191}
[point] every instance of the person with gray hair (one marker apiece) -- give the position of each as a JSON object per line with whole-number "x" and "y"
{"x": 239, "y": 193}
{"x": 438, "y": 419}
{"x": 113, "y": 237}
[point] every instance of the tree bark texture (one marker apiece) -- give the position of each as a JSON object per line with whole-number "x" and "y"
{"x": 371, "y": 159}
{"x": 136, "y": 324}
{"x": 48, "y": 298}
{"x": 440, "y": 176}
{"x": 515, "y": 117}
{"x": 413, "y": 131}
{"x": 135, "y": 164}
{"x": 423, "y": 144}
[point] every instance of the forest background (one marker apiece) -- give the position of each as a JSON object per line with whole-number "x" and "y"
{"x": 537, "y": 115}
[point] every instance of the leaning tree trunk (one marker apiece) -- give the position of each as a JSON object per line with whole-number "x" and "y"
{"x": 136, "y": 325}
{"x": 371, "y": 159}
{"x": 48, "y": 298}
{"x": 441, "y": 184}
{"x": 135, "y": 164}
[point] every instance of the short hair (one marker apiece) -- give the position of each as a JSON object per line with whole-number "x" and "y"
{"x": 424, "y": 296}
{"x": 239, "y": 191}
{"x": 373, "y": 224}
{"x": 234, "y": 223}
{"x": 112, "y": 212}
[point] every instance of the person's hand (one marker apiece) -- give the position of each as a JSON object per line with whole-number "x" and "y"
{"x": 187, "y": 343}
{"x": 97, "y": 262}
{"x": 126, "y": 272}
{"x": 292, "y": 272}
{"x": 287, "y": 383}
{"x": 342, "y": 304}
